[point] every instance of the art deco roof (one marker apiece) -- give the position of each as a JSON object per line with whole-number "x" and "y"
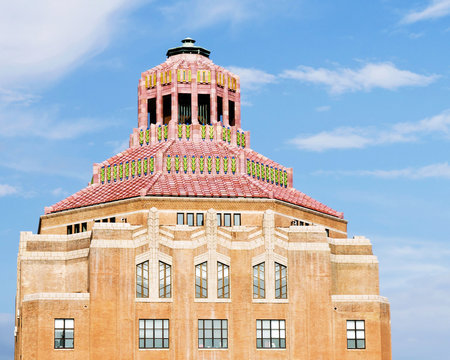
{"x": 202, "y": 161}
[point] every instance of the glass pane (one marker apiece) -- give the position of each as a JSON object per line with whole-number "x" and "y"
{"x": 350, "y": 344}
{"x": 141, "y": 334}
{"x": 360, "y": 325}
{"x": 190, "y": 219}
{"x": 180, "y": 219}
{"x": 216, "y": 343}
{"x": 275, "y": 343}
{"x": 282, "y": 334}
{"x": 149, "y": 343}
{"x": 227, "y": 219}
{"x": 224, "y": 324}
{"x": 141, "y": 343}
{"x": 158, "y": 343}
{"x": 282, "y": 343}
{"x": 59, "y": 334}
{"x": 258, "y": 343}
{"x": 59, "y": 323}
{"x": 350, "y": 324}
{"x": 69, "y": 343}
{"x": 237, "y": 219}
{"x": 166, "y": 334}
{"x": 258, "y": 324}
{"x": 200, "y": 343}
{"x": 266, "y": 334}
{"x": 275, "y": 333}
{"x": 266, "y": 324}
{"x": 208, "y": 333}
{"x": 158, "y": 333}
{"x": 166, "y": 324}
{"x": 275, "y": 324}
{"x": 360, "y": 334}
{"x": 141, "y": 324}
{"x": 219, "y": 220}
{"x": 199, "y": 219}
{"x": 69, "y": 334}
{"x": 149, "y": 323}
{"x": 282, "y": 324}
{"x": 225, "y": 343}
{"x": 208, "y": 343}
{"x": 350, "y": 334}
{"x": 361, "y": 344}
{"x": 149, "y": 333}
{"x": 217, "y": 334}
{"x": 217, "y": 323}
{"x": 166, "y": 343}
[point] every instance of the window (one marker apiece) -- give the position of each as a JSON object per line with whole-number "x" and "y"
{"x": 64, "y": 331}
{"x": 219, "y": 219}
{"x": 200, "y": 219}
{"x": 76, "y": 228}
{"x": 270, "y": 334}
{"x": 226, "y": 219}
{"x": 201, "y": 280}
{"x": 223, "y": 281}
{"x": 112, "y": 220}
{"x": 69, "y": 229}
{"x": 213, "y": 334}
{"x": 258, "y": 282}
{"x": 142, "y": 280}
{"x": 153, "y": 334}
{"x": 180, "y": 219}
{"x": 356, "y": 337}
{"x": 84, "y": 227}
{"x": 164, "y": 280}
{"x": 237, "y": 219}
{"x": 190, "y": 219}
{"x": 280, "y": 281}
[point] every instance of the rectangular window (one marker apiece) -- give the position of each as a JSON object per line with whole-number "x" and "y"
{"x": 226, "y": 219}
{"x": 223, "y": 281}
{"x": 153, "y": 334}
{"x": 356, "y": 336}
{"x": 213, "y": 334}
{"x": 180, "y": 219}
{"x": 69, "y": 229}
{"x": 270, "y": 334}
{"x": 112, "y": 220}
{"x": 104, "y": 220}
{"x": 219, "y": 219}
{"x": 200, "y": 218}
{"x": 64, "y": 333}
{"x": 190, "y": 219}
{"x": 258, "y": 282}
{"x": 142, "y": 280}
{"x": 201, "y": 280}
{"x": 76, "y": 228}
{"x": 237, "y": 219}
{"x": 84, "y": 227}
{"x": 280, "y": 281}
{"x": 164, "y": 280}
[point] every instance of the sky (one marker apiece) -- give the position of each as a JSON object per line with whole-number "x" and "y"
{"x": 354, "y": 95}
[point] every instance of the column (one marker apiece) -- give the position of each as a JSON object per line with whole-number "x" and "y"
{"x": 213, "y": 98}
{"x": 237, "y": 105}
{"x": 159, "y": 100}
{"x": 225, "y": 109}
{"x": 194, "y": 96}
{"x": 142, "y": 104}
{"x": 174, "y": 93}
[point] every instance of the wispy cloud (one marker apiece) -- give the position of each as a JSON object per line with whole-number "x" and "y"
{"x": 440, "y": 171}
{"x": 6, "y": 190}
{"x": 361, "y": 137}
{"x": 323, "y": 108}
{"x": 251, "y": 78}
{"x": 372, "y": 75}
{"x": 435, "y": 9}
{"x": 42, "y": 40}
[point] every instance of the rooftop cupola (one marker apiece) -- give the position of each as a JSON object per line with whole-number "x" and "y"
{"x": 188, "y": 47}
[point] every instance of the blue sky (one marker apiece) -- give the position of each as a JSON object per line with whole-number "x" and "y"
{"x": 354, "y": 95}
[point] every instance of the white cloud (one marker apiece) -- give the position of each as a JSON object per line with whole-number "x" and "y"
{"x": 372, "y": 75}
{"x": 6, "y": 190}
{"x": 40, "y": 40}
{"x": 252, "y": 79}
{"x": 440, "y": 170}
{"x": 436, "y": 9}
{"x": 323, "y": 108}
{"x": 358, "y": 137}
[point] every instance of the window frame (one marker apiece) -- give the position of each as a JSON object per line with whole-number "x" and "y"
{"x": 153, "y": 330}
{"x": 258, "y": 267}
{"x": 279, "y": 272}
{"x": 166, "y": 284}
{"x": 64, "y": 329}
{"x": 237, "y": 216}
{"x": 190, "y": 216}
{"x": 355, "y": 330}
{"x": 225, "y": 288}
{"x": 203, "y": 268}
{"x": 270, "y": 338}
{"x": 140, "y": 267}
{"x": 225, "y": 216}
{"x": 202, "y": 330}
{"x": 202, "y": 217}
{"x": 178, "y": 218}
{"x": 219, "y": 219}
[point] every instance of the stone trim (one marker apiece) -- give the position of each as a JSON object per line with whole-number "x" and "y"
{"x": 118, "y": 244}
{"x": 359, "y": 298}
{"x": 153, "y": 300}
{"x": 357, "y": 240}
{"x": 54, "y": 255}
{"x": 354, "y": 259}
{"x": 56, "y": 296}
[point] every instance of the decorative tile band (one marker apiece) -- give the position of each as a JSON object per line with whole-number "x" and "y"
{"x": 196, "y": 164}
{"x": 269, "y": 174}
{"x": 129, "y": 169}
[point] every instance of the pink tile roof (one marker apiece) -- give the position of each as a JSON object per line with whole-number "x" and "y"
{"x": 162, "y": 183}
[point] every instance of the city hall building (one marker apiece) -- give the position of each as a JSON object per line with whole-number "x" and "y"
{"x": 191, "y": 245}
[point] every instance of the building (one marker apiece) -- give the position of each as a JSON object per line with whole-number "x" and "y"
{"x": 190, "y": 245}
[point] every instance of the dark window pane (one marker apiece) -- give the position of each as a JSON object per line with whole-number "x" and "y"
{"x": 351, "y": 344}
